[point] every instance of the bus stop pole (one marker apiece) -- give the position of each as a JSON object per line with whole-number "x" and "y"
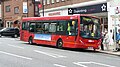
{"x": 115, "y": 31}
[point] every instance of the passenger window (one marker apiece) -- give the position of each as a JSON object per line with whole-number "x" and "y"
{"x": 52, "y": 27}
{"x": 39, "y": 27}
{"x": 46, "y": 27}
{"x": 61, "y": 27}
{"x": 25, "y": 26}
{"x": 32, "y": 27}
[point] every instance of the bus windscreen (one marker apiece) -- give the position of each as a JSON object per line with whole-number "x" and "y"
{"x": 90, "y": 27}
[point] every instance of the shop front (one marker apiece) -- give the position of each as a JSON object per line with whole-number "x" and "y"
{"x": 12, "y": 21}
{"x": 114, "y": 24}
{"x": 59, "y": 12}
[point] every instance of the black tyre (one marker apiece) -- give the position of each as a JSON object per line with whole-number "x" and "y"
{"x": 30, "y": 41}
{"x": 0, "y": 35}
{"x": 59, "y": 43}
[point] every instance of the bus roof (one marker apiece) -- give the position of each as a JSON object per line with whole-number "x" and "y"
{"x": 54, "y": 17}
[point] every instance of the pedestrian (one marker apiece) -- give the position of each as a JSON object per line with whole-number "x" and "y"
{"x": 106, "y": 41}
{"x": 103, "y": 35}
{"x": 118, "y": 39}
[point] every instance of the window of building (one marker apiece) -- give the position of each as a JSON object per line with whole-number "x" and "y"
{"x": 53, "y": 1}
{"x": 7, "y": 8}
{"x": 44, "y": 1}
{"x": 57, "y": 0}
{"x": 48, "y": 1}
{"x": 16, "y": 10}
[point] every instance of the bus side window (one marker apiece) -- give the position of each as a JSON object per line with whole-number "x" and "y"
{"x": 61, "y": 27}
{"x": 46, "y": 28}
{"x": 24, "y": 26}
{"x": 52, "y": 27}
{"x": 32, "y": 27}
{"x": 40, "y": 27}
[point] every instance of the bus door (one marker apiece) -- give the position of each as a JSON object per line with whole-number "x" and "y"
{"x": 71, "y": 32}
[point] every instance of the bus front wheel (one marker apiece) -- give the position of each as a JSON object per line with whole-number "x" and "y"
{"x": 30, "y": 41}
{"x": 59, "y": 43}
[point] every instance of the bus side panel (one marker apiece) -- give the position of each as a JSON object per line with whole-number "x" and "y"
{"x": 24, "y": 35}
{"x": 54, "y": 40}
{"x": 68, "y": 41}
{"x": 43, "y": 42}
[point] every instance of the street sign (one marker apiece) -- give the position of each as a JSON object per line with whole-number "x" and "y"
{"x": 89, "y": 9}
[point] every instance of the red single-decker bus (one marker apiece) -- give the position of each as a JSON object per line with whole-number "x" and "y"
{"x": 74, "y": 31}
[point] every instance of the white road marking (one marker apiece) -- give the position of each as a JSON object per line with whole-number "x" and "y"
{"x": 58, "y": 65}
{"x": 50, "y": 54}
{"x": 15, "y": 46}
{"x": 82, "y": 64}
{"x": 79, "y": 64}
{"x": 15, "y": 55}
{"x": 103, "y": 64}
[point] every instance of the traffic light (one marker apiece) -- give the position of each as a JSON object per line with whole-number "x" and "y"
{"x": 39, "y": 5}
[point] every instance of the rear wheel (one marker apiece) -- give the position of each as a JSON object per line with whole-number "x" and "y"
{"x": 59, "y": 43}
{"x": 0, "y": 35}
{"x": 30, "y": 41}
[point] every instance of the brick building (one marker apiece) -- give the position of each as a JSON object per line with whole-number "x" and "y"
{"x": 14, "y": 10}
{"x": 1, "y": 23}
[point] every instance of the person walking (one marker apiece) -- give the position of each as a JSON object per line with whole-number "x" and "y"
{"x": 118, "y": 39}
{"x": 103, "y": 35}
{"x": 106, "y": 41}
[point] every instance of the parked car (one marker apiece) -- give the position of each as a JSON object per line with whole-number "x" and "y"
{"x": 14, "y": 32}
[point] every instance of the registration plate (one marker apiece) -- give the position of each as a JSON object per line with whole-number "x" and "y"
{"x": 90, "y": 47}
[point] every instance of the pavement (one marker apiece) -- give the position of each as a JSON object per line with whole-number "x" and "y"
{"x": 117, "y": 53}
